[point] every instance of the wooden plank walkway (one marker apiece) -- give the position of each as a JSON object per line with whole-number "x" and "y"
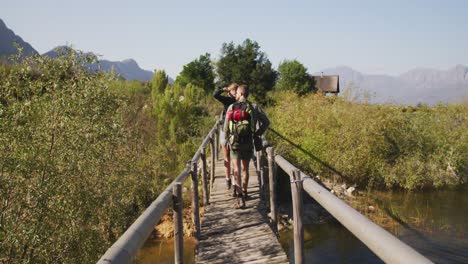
{"x": 237, "y": 235}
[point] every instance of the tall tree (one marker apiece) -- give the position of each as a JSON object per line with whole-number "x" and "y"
{"x": 199, "y": 73}
{"x": 246, "y": 64}
{"x": 158, "y": 83}
{"x": 293, "y": 76}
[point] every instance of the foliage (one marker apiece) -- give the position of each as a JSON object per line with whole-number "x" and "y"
{"x": 159, "y": 82}
{"x": 377, "y": 145}
{"x": 82, "y": 155}
{"x": 199, "y": 73}
{"x": 179, "y": 118}
{"x": 292, "y": 75}
{"x": 246, "y": 64}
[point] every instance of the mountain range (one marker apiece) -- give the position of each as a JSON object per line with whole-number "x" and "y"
{"x": 128, "y": 69}
{"x": 421, "y": 85}
{"x": 7, "y": 40}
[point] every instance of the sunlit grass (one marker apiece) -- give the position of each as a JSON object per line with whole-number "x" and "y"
{"x": 384, "y": 146}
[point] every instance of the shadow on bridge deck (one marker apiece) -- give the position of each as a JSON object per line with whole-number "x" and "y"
{"x": 237, "y": 235}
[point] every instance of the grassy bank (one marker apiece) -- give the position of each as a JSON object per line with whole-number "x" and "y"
{"x": 381, "y": 146}
{"x": 82, "y": 155}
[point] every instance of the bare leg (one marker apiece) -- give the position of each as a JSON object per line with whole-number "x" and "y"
{"x": 245, "y": 175}
{"x": 227, "y": 162}
{"x": 240, "y": 201}
{"x": 236, "y": 174}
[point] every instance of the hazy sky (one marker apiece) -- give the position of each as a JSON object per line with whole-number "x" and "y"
{"x": 371, "y": 36}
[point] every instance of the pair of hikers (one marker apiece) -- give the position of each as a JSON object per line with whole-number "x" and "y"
{"x": 244, "y": 122}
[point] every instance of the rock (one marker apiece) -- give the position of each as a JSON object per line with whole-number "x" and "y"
{"x": 371, "y": 208}
{"x": 343, "y": 186}
{"x": 332, "y": 191}
{"x": 350, "y": 190}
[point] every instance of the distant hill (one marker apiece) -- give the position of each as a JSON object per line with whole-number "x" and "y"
{"x": 420, "y": 85}
{"x": 8, "y": 37}
{"x": 128, "y": 69}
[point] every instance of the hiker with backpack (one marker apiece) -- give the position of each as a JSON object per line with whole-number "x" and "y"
{"x": 226, "y": 100}
{"x": 244, "y": 121}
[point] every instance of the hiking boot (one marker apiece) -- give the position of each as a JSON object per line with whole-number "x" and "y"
{"x": 240, "y": 202}
{"x": 228, "y": 184}
{"x": 241, "y": 197}
{"x": 237, "y": 205}
{"x": 234, "y": 192}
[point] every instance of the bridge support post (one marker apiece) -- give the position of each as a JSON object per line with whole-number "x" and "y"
{"x": 272, "y": 187}
{"x": 195, "y": 203}
{"x": 206, "y": 197}
{"x": 260, "y": 175}
{"x": 213, "y": 147}
{"x": 215, "y": 150}
{"x": 178, "y": 227}
{"x": 296, "y": 191}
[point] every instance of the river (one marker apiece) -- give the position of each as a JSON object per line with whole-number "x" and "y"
{"x": 433, "y": 222}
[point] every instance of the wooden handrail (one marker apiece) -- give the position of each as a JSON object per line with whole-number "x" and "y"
{"x": 127, "y": 246}
{"x": 386, "y": 246}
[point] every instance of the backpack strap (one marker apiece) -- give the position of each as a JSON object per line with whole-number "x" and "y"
{"x": 253, "y": 117}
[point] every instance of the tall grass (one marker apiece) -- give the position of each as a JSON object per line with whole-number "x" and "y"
{"x": 384, "y": 146}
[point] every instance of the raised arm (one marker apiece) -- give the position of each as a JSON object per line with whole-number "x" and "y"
{"x": 218, "y": 93}
{"x": 223, "y": 99}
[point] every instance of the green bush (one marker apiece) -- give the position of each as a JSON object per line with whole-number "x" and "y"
{"x": 82, "y": 155}
{"x": 382, "y": 145}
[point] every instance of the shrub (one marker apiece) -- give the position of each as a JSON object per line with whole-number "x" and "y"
{"x": 383, "y": 145}
{"x": 82, "y": 155}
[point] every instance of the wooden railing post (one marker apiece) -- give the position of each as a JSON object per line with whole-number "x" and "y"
{"x": 178, "y": 227}
{"x": 272, "y": 185}
{"x": 261, "y": 182}
{"x": 265, "y": 179}
{"x": 213, "y": 147}
{"x": 195, "y": 202}
{"x": 206, "y": 197}
{"x": 216, "y": 141}
{"x": 296, "y": 191}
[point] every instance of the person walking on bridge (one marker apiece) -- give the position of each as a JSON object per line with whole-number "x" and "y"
{"x": 226, "y": 100}
{"x": 243, "y": 122}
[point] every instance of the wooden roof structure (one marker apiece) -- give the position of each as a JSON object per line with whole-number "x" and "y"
{"x": 327, "y": 83}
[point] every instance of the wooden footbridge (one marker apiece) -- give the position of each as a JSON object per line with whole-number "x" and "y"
{"x": 237, "y": 235}
{"x": 249, "y": 235}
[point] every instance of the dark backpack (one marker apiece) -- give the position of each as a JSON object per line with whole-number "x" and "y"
{"x": 240, "y": 125}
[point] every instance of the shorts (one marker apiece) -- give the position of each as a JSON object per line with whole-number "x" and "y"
{"x": 242, "y": 154}
{"x": 222, "y": 137}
